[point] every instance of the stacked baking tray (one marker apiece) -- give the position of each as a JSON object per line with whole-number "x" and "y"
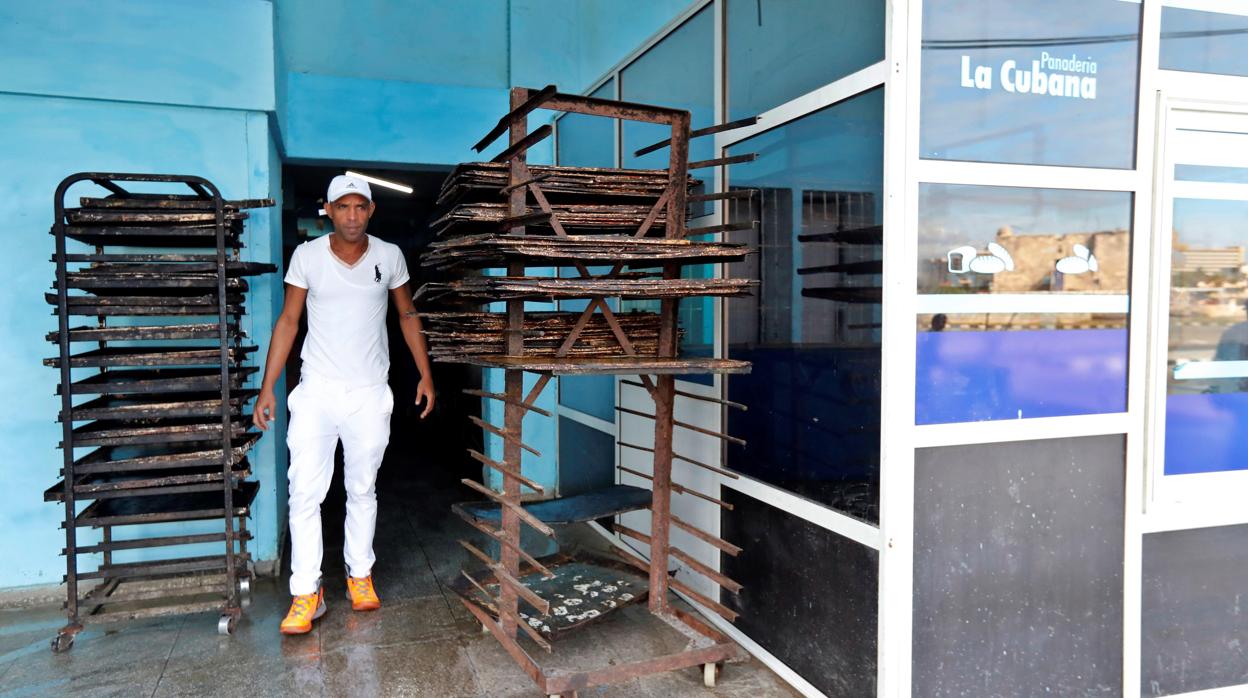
{"x": 149, "y": 294}
{"x": 605, "y": 228}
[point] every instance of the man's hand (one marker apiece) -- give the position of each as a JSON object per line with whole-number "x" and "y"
{"x": 424, "y": 392}
{"x": 265, "y": 410}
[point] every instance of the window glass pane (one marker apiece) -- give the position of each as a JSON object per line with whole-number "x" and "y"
{"x": 1040, "y": 82}
{"x": 781, "y": 50}
{"x": 678, "y": 72}
{"x": 593, "y": 395}
{"x": 1207, "y": 366}
{"x": 1023, "y": 302}
{"x": 1204, "y": 42}
{"x": 586, "y": 458}
{"x": 1213, "y": 173}
{"x": 812, "y": 327}
{"x": 588, "y": 141}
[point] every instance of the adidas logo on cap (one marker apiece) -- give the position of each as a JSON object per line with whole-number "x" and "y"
{"x": 342, "y": 184}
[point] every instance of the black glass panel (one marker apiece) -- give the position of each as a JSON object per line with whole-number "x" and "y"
{"x": 809, "y": 595}
{"x": 1193, "y": 626}
{"x": 1018, "y": 568}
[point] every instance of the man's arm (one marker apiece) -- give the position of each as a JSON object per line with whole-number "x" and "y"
{"x": 409, "y": 321}
{"x": 284, "y": 332}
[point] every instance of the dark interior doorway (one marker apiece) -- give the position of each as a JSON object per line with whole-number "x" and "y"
{"x": 425, "y": 458}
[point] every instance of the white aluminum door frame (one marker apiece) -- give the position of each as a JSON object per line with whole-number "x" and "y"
{"x": 1206, "y": 499}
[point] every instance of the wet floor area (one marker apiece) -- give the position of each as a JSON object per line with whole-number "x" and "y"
{"x": 422, "y": 642}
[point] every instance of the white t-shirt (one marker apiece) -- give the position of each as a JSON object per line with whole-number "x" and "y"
{"x": 347, "y": 306}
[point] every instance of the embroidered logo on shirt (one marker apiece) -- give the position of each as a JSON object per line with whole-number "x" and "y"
{"x": 377, "y": 272}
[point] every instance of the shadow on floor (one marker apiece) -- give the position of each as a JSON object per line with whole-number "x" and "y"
{"x": 421, "y": 643}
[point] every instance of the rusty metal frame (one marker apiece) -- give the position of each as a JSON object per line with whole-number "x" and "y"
{"x": 672, "y": 202}
{"x": 222, "y": 269}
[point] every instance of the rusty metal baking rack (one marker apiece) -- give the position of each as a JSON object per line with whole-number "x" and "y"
{"x": 155, "y": 432}
{"x": 507, "y": 214}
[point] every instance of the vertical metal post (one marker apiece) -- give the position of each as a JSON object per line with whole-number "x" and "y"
{"x": 665, "y": 395}
{"x": 108, "y": 549}
{"x": 227, "y": 441}
{"x": 513, "y": 414}
{"x": 67, "y": 409}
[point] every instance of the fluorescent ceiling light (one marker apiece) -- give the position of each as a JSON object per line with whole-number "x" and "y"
{"x": 381, "y": 182}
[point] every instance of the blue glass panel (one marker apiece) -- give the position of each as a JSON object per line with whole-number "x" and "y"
{"x": 593, "y": 395}
{"x": 1211, "y": 173}
{"x": 811, "y": 328}
{"x": 677, "y": 72}
{"x": 588, "y": 141}
{"x": 972, "y": 376}
{"x": 1204, "y": 42}
{"x": 1040, "y": 82}
{"x": 1054, "y": 340}
{"x": 781, "y": 50}
{"x": 1207, "y": 386}
{"x": 586, "y": 458}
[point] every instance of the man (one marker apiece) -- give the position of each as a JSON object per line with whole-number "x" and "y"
{"x": 344, "y": 279}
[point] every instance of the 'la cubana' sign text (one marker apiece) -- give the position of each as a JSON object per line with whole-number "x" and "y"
{"x": 1049, "y": 75}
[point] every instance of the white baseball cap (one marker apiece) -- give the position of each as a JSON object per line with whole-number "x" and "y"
{"x": 342, "y": 185}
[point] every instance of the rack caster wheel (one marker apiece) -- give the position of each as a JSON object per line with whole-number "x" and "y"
{"x": 62, "y": 642}
{"x": 710, "y": 674}
{"x": 226, "y": 624}
{"x": 244, "y": 592}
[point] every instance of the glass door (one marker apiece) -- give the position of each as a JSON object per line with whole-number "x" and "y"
{"x": 1199, "y": 454}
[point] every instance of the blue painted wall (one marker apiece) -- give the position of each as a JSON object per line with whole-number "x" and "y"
{"x": 231, "y": 90}
{"x": 378, "y": 81}
{"x": 141, "y": 86}
{"x": 217, "y": 54}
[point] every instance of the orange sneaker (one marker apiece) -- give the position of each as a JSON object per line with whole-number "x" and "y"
{"x": 304, "y": 609}
{"x": 362, "y": 594}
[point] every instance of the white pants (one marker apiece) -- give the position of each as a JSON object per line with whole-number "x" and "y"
{"x": 321, "y": 413}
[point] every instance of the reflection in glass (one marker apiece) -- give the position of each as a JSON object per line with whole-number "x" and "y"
{"x": 1213, "y": 173}
{"x": 1204, "y": 42}
{"x": 812, "y": 329}
{"x": 1207, "y": 362}
{"x": 1023, "y": 302}
{"x": 781, "y": 50}
{"x": 1041, "y": 82}
{"x": 588, "y": 141}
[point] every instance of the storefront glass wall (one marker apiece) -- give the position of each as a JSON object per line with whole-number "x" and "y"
{"x": 1078, "y": 211}
{"x": 812, "y": 329}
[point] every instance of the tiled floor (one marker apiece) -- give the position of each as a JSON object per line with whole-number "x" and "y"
{"x": 421, "y": 643}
